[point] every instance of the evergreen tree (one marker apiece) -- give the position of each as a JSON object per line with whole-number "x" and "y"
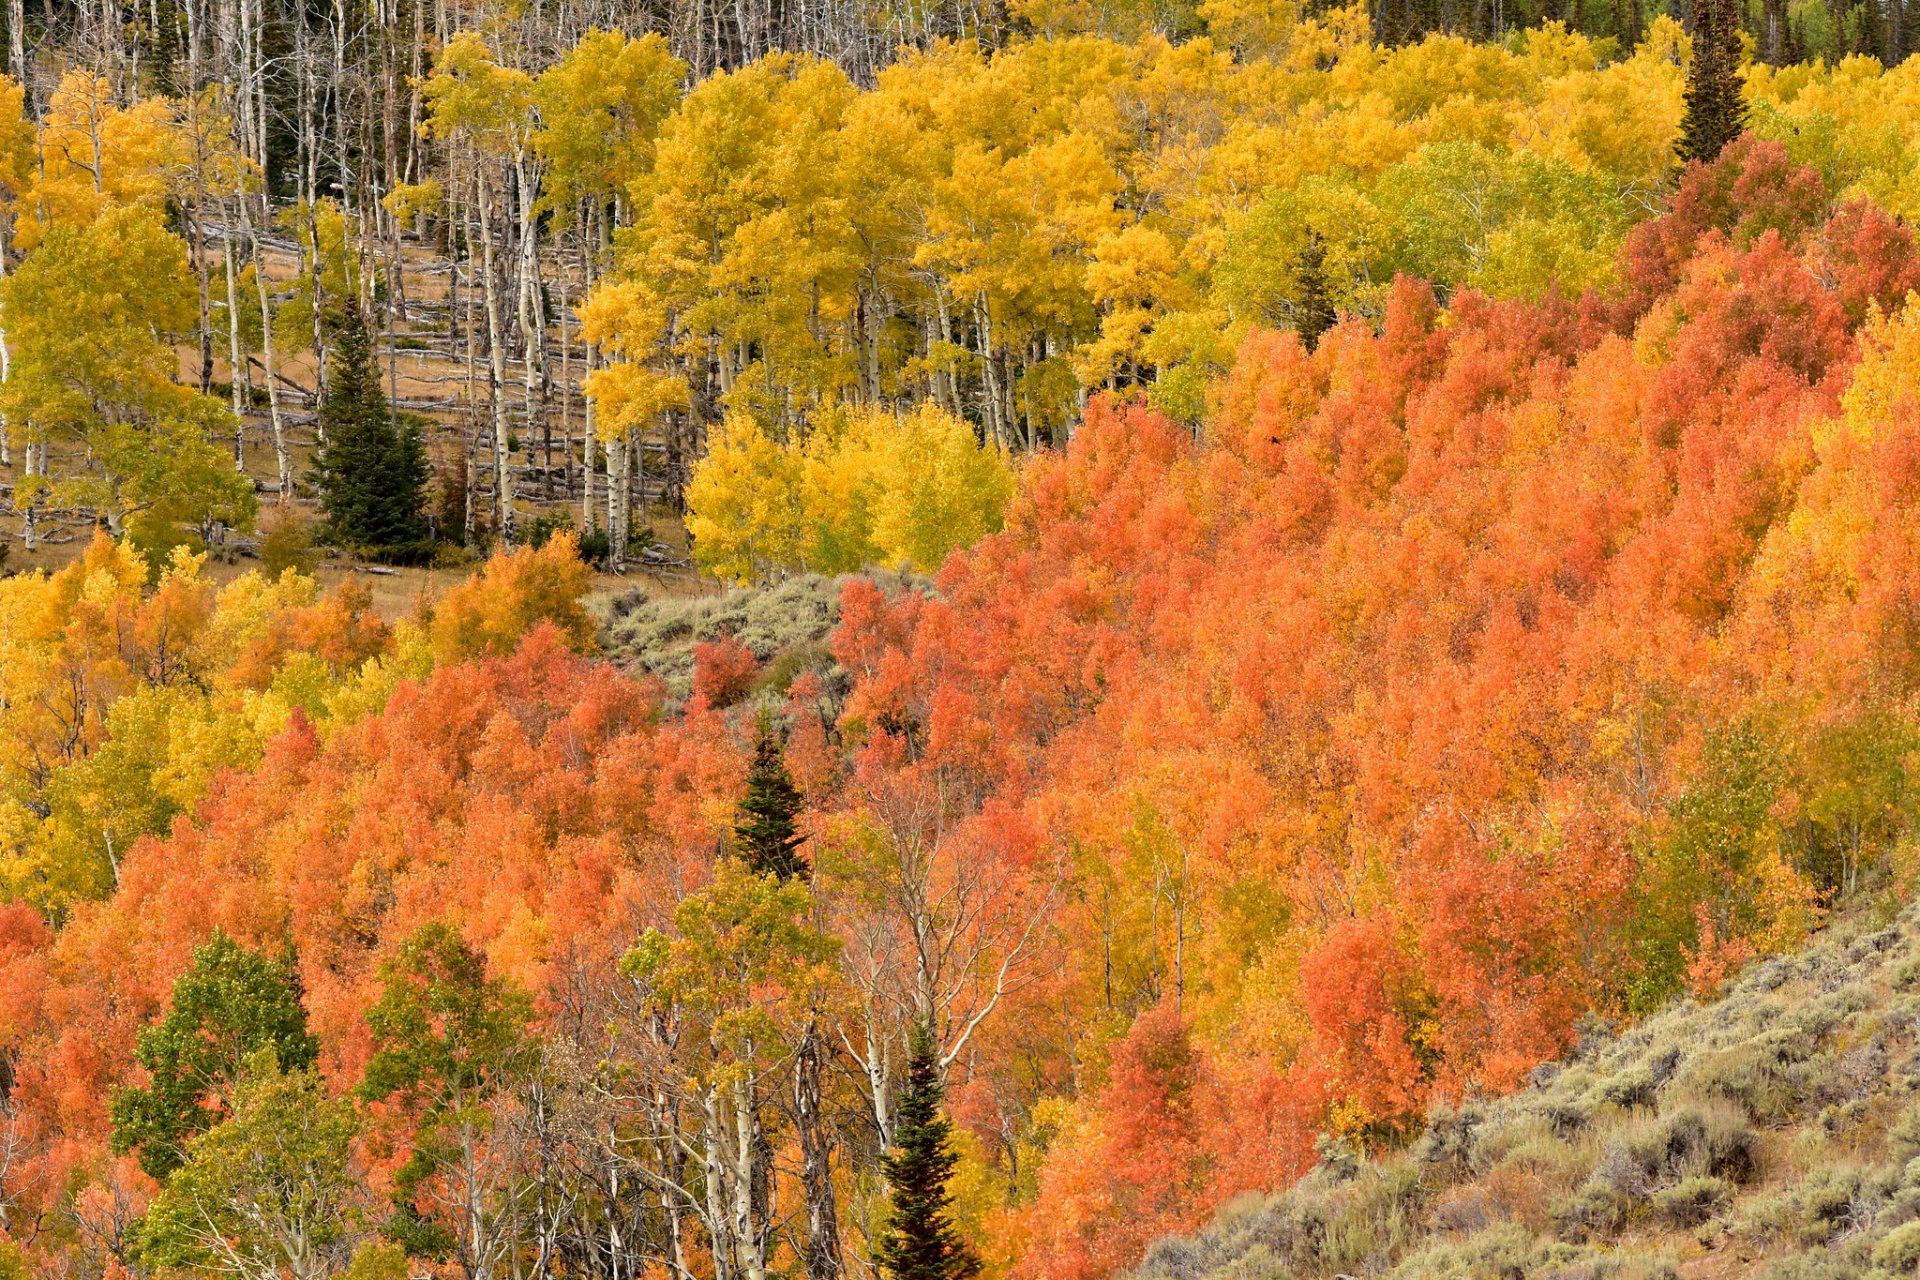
{"x": 1313, "y": 312}
{"x": 764, "y": 832}
{"x": 920, "y": 1242}
{"x": 372, "y": 473}
{"x": 232, "y": 1004}
{"x": 1715, "y": 110}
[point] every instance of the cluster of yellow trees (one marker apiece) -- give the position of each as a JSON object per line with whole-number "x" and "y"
{"x": 863, "y": 487}
{"x": 121, "y": 698}
{"x": 998, "y": 235}
{"x": 994, "y": 234}
{"x": 92, "y": 411}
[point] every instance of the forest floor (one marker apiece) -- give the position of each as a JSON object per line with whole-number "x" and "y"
{"x": 434, "y": 372}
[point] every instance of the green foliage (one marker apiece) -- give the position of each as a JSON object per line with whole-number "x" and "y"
{"x": 1856, "y": 789}
{"x": 372, "y": 472}
{"x": 920, "y": 1241}
{"x": 1313, "y": 309}
{"x": 746, "y": 966}
{"x": 764, "y": 833}
{"x": 443, "y": 1030}
{"x": 1510, "y": 223}
{"x": 230, "y": 1006}
{"x": 446, "y": 1039}
{"x": 1898, "y": 1252}
{"x": 1717, "y": 865}
{"x": 270, "y": 1193}
{"x": 1716, "y": 109}
{"x": 1693, "y": 1200}
{"x": 377, "y": 1260}
{"x": 1325, "y": 224}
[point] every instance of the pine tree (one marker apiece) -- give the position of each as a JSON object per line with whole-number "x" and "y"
{"x": 372, "y": 473}
{"x": 1715, "y": 110}
{"x": 1313, "y": 313}
{"x": 920, "y": 1242}
{"x": 764, "y": 831}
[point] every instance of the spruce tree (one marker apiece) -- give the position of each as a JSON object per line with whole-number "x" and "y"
{"x": 764, "y": 831}
{"x": 372, "y": 472}
{"x": 1715, "y": 110}
{"x": 1313, "y": 313}
{"x": 920, "y": 1242}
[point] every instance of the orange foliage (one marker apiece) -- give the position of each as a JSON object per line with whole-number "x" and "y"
{"x": 486, "y": 615}
{"x": 723, "y": 671}
{"x": 1290, "y": 779}
{"x": 1362, "y": 706}
{"x": 534, "y": 800}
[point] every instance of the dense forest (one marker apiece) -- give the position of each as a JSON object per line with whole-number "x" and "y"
{"x": 1281, "y": 569}
{"x": 582, "y": 246}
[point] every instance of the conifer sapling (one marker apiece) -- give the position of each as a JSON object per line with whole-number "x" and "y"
{"x": 1715, "y": 110}
{"x": 372, "y": 472}
{"x": 1313, "y": 312}
{"x": 920, "y": 1242}
{"x": 765, "y": 833}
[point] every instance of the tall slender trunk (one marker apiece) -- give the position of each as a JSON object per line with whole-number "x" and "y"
{"x": 619, "y": 502}
{"x": 236, "y": 359}
{"x": 17, "y": 47}
{"x": 816, "y": 1159}
{"x": 496, "y": 361}
{"x": 282, "y": 457}
{"x": 719, "y": 1220}
{"x": 468, "y": 525}
{"x": 30, "y": 512}
{"x": 593, "y": 235}
{"x": 983, "y": 321}
{"x": 877, "y": 1062}
{"x": 529, "y": 312}
{"x": 749, "y": 1237}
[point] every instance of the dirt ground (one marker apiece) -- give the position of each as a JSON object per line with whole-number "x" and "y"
{"x": 430, "y": 376}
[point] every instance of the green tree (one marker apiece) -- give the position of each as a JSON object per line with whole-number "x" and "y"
{"x": 372, "y": 472}
{"x": 764, "y": 832}
{"x": 269, "y": 1194}
{"x": 1714, "y": 873}
{"x": 88, "y": 318}
{"x": 1313, "y": 312}
{"x": 742, "y": 985}
{"x": 232, "y": 1004}
{"x": 1715, "y": 110}
{"x": 920, "y": 1242}
{"x": 447, "y": 1040}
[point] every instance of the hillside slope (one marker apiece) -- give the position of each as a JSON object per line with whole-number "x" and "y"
{"x": 1774, "y": 1133}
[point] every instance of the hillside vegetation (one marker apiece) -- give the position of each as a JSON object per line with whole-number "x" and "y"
{"x": 1773, "y": 1132}
{"x": 1472, "y": 674}
{"x": 1283, "y": 567}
